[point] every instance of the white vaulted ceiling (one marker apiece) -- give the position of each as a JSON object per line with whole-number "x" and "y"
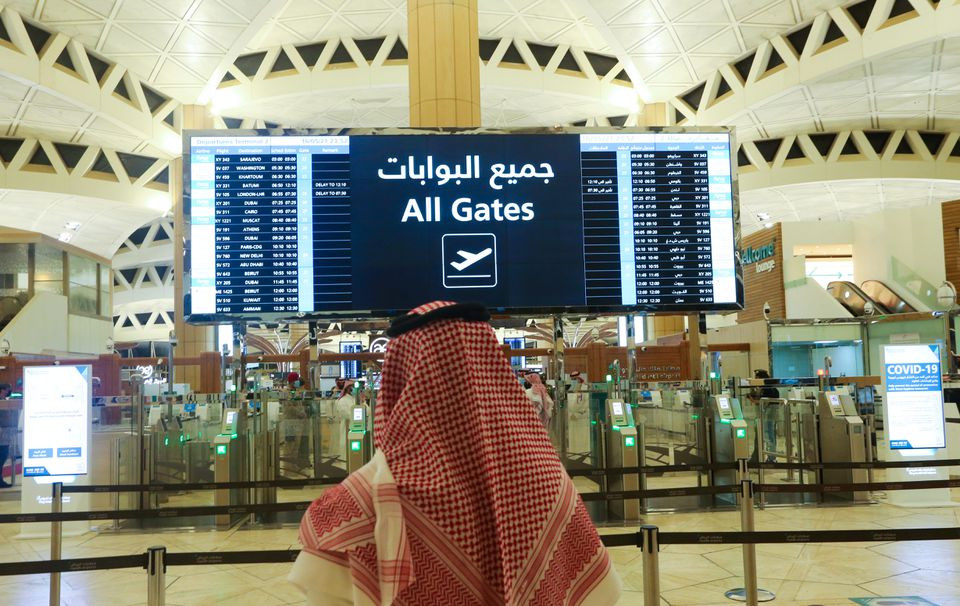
{"x": 859, "y": 65}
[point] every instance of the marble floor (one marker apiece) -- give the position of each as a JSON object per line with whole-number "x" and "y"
{"x": 690, "y": 575}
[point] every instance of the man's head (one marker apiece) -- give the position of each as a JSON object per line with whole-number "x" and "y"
{"x": 761, "y": 374}
{"x": 5, "y": 390}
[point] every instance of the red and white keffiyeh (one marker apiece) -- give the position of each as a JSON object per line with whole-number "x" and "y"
{"x": 465, "y": 501}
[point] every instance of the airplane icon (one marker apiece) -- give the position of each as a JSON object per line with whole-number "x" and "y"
{"x": 470, "y": 258}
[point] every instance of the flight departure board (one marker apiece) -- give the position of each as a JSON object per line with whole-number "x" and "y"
{"x": 361, "y": 223}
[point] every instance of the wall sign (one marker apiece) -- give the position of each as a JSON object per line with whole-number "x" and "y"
{"x": 913, "y": 397}
{"x": 56, "y": 409}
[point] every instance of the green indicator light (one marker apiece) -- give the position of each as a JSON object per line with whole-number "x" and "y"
{"x": 713, "y": 375}
{"x": 200, "y": 436}
{"x": 233, "y": 388}
{"x": 629, "y": 441}
{"x": 593, "y": 422}
{"x": 166, "y": 441}
{"x": 221, "y": 449}
{"x": 725, "y": 421}
{"x": 233, "y": 436}
{"x": 741, "y": 432}
{"x": 694, "y": 417}
{"x": 609, "y": 378}
{"x": 616, "y": 428}
{"x": 355, "y": 445}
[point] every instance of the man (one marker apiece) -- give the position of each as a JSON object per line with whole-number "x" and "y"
{"x": 8, "y": 432}
{"x": 465, "y": 501}
{"x": 770, "y": 414}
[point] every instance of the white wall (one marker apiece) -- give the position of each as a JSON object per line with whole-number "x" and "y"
{"x": 914, "y": 236}
{"x": 815, "y": 232}
{"x": 805, "y": 298}
{"x": 45, "y": 327}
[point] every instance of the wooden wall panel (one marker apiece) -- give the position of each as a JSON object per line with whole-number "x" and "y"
{"x": 767, "y": 286}
{"x": 950, "y": 213}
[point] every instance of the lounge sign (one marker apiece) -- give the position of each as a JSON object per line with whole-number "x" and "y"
{"x": 762, "y": 256}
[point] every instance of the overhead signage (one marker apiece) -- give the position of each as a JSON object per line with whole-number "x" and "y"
{"x": 56, "y": 409}
{"x": 914, "y": 397}
{"x": 295, "y": 226}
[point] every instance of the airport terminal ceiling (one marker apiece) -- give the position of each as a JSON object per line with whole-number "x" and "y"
{"x": 93, "y": 92}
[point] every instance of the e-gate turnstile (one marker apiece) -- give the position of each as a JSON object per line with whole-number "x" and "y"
{"x": 230, "y": 462}
{"x": 729, "y": 442}
{"x": 359, "y": 444}
{"x": 624, "y": 449}
{"x": 841, "y": 440}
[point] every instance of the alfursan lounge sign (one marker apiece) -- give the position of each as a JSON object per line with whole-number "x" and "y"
{"x": 762, "y": 256}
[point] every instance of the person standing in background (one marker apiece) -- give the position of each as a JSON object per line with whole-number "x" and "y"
{"x": 771, "y": 412}
{"x": 8, "y": 433}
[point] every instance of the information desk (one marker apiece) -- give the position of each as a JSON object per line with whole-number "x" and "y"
{"x": 288, "y": 225}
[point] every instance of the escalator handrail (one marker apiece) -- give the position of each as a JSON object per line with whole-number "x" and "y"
{"x": 854, "y": 289}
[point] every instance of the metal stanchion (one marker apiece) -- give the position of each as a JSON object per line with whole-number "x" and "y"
{"x": 749, "y": 594}
{"x": 56, "y": 541}
{"x": 156, "y": 575}
{"x": 650, "y": 546}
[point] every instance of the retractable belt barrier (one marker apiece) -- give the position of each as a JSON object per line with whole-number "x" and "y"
{"x": 786, "y": 537}
{"x": 860, "y": 464}
{"x": 596, "y": 472}
{"x": 201, "y": 486}
{"x": 140, "y": 514}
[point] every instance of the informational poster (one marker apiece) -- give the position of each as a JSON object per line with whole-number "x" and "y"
{"x": 914, "y": 397}
{"x": 56, "y": 409}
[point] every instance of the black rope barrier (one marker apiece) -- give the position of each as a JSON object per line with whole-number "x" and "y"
{"x": 232, "y": 557}
{"x": 141, "y": 514}
{"x": 859, "y": 465}
{"x": 649, "y": 469}
{"x": 813, "y": 536}
{"x": 861, "y": 487}
{"x": 659, "y": 492}
{"x": 74, "y": 565}
{"x": 100, "y": 488}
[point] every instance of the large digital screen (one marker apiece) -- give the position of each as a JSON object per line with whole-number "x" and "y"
{"x": 56, "y": 420}
{"x": 363, "y": 223}
{"x": 913, "y": 404}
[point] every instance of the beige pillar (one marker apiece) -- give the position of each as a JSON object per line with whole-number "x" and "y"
{"x": 444, "y": 63}
{"x": 193, "y": 340}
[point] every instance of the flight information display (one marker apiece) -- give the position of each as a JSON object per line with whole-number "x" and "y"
{"x": 612, "y": 220}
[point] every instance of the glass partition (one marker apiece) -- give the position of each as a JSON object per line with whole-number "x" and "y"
{"x": 801, "y": 350}
{"x": 47, "y": 269}
{"x": 929, "y": 330}
{"x": 106, "y": 305}
{"x": 83, "y": 285}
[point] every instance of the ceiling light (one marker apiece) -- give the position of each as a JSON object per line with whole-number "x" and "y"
{"x": 65, "y": 236}
{"x": 763, "y": 216}
{"x": 768, "y": 224}
{"x": 74, "y": 225}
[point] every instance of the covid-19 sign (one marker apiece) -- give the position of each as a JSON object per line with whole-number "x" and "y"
{"x": 914, "y": 397}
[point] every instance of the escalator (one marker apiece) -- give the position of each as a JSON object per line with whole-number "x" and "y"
{"x": 855, "y": 300}
{"x": 873, "y": 297}
{"x": 882, "y": 294}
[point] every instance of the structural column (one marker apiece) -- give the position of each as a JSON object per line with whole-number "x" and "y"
{"x": 193, "y": 340}
{"x": 444, "y": 63}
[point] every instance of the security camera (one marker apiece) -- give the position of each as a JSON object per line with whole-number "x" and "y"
{"x": 109, "y": 345}
{"x": 643, "y": 348}
{"x": 766, "y": 310}
{"x": 173, "y": 339}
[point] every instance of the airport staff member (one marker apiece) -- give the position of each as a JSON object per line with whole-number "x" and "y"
{"x": 465, "y": 500}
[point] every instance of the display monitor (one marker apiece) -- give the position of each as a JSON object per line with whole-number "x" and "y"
{"x": 835, "y": 403}
{"x": 723, "y": 403}
{"x": 617, "y": 408}
{"x": 359, "y": 223}
{"x": 358, "y": 414}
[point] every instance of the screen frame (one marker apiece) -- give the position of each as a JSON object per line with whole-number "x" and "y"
{"x": 220, "y": 318}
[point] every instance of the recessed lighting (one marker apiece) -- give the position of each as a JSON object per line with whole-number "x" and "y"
{"x": 768, "y": 224}
{"x": 65, "y": 236}
{"x": 74, "y": 225}
{"x": 763, "y": 216}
